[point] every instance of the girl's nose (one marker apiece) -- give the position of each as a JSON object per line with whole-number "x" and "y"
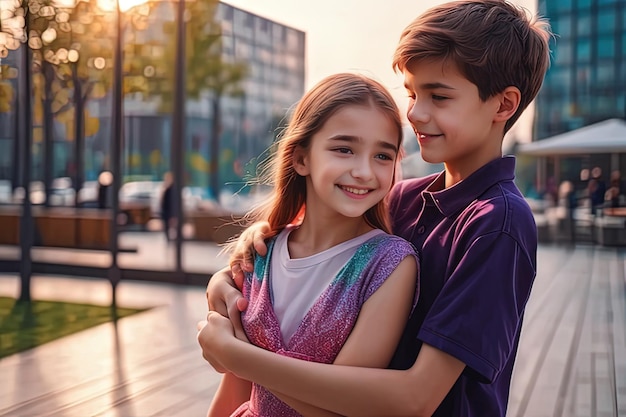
{"x": 362, "y": 169}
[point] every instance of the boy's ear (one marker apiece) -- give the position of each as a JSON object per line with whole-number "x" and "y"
{"x": 300, "y": 161}
{"x": 509, "y": 103}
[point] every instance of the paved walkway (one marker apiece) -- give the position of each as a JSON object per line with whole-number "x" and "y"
{"x": 153, "y": 252}
{"x": 572, "y": 358}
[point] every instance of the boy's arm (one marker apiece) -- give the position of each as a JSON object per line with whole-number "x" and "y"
{"x": 357, "y": 387}
{"x": 347, "y": 390}
{"x": 226, "y": 299}
{"x": 231, "y": 393}
{"x": 374, "y": 338}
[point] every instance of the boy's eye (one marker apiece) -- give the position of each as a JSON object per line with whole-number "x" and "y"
{"x": 438, "y": 98}
{"x": 343, "y": 150}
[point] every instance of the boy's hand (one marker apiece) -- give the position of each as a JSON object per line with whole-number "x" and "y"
{"x": 225, "y": 298}
{"x": 251, "y": 241}
{"x": 224, "y": 288}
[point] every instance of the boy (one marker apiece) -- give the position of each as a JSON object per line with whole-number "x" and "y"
{"x": 471, "y": 67}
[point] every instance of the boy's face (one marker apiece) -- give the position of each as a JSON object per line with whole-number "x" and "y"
{"x": 453, "y": 125}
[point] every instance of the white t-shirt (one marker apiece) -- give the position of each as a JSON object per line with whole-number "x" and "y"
{"x": 297, "y": 283}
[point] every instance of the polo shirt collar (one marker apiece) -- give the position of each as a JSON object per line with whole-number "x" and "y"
{"x": 452, "y": 200}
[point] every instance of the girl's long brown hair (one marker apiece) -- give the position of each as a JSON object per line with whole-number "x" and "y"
{"x": 287, "y": 199}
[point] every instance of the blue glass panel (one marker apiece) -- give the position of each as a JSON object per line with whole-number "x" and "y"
{"x": 564, "y": 5}
{"x": 563, "y": 52}
{"x": 564, "y": 26}
{"x": 583, "y": 50}
{"x": 606, "y": 20}
{"x": 606, "y": 47}
{"x": 606, "y": 72}
{"x": 583, "y": 25}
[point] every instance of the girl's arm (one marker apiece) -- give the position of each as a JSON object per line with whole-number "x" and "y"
{"x": 231, "y": 393}
{"x": 347, "y": 390}
{"x": 378, "y": 329}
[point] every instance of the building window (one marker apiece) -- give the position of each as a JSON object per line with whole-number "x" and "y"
{"x": 583, "y": 50}
{"x": 606, "y": 47}
{"x": 583, "y": 25}
{"x": 564, "y": 53}
{"x": 564, "y": 27}
{"x": 583, "y": 78}
{"x": 227, "y": 13}
{"x": 606, "y": 104}
{"x": 555, "y": 7}
{"x": 264, "y": 25}
{"x": 606, "y": 73}
{"x": 558, "y": 78}
{"x": 606, "y": 20}
{"x": 278, "y": 33}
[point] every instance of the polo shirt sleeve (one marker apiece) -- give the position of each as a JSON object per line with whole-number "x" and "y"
{"x": 477, "y": 315}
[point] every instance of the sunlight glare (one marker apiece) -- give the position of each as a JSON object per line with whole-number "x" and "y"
{"x": 125, "y": 5}
{"x": 64, "y": 4}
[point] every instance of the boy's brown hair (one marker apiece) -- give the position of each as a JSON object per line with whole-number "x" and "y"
{"x": 494, "y": 44}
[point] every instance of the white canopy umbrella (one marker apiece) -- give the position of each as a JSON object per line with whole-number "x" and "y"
{"x": 608, "y": 136}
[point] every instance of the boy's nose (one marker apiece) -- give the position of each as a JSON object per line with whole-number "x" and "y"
{"x": 417, "y": 113}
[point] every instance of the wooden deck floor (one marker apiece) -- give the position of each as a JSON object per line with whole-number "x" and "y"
{"x": 571, "y": 362}
{"x": 572, "y": 356}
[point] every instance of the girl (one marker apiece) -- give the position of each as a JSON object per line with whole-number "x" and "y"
{"x": 318, "y": 293}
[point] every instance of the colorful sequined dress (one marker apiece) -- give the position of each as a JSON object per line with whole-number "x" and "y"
{"x": 327, "y": 325}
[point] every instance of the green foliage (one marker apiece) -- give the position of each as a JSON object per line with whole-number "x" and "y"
{"x": 27, "y": 325}
{"x": 73, "y": 48}
{"x": 206, "y": 68}
{"x": 7, "y": 92}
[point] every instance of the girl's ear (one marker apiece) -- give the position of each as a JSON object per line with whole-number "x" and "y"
{"x": 509, "y": 102}
{"x": 300, "y": 161}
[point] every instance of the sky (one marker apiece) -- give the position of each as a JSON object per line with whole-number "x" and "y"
{"x": 357, "y": 36}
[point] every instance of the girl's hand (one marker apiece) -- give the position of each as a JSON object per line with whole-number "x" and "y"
{"x": 214, "y": 336}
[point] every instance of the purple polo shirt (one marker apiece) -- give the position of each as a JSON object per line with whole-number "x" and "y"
{"x": 478, "y": 243}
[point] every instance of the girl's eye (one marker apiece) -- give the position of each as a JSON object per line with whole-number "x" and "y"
{"x": 384, "y": 157}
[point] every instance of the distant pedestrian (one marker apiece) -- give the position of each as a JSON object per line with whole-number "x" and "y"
{"x": 569, "y": 201}
{"x": 597, "y": 190}
{"x": 613, "y": 194}
{"x": 105, "y": 179}
{"x": 167, "y": 205}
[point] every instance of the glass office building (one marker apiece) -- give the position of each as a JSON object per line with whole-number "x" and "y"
{"x": 274, "y": 57}
{"x": 586, "y": 82}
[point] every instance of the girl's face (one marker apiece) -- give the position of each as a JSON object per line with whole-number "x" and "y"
{"x": 349, "y": 166}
